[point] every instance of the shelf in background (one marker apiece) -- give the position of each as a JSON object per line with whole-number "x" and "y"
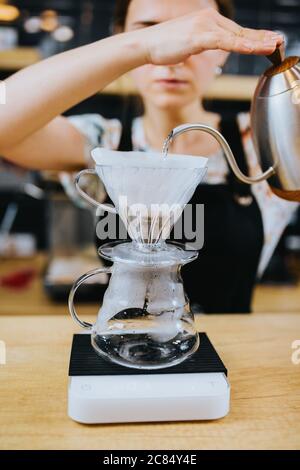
{"x": 18, "y": 58}
{"x": 225, "y": 87}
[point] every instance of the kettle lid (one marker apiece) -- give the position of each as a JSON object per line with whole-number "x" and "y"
{"x": 279, "y": 78}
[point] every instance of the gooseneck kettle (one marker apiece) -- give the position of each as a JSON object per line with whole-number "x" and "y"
{"x": 275, "y": 124}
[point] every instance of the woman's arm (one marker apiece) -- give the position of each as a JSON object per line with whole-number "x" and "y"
{"x": 32, "y": 132}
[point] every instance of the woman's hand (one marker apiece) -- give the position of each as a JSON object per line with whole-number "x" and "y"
{"x": 174, "y": 41}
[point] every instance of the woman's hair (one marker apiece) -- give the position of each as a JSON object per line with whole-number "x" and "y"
{"x": 225, "y": 8}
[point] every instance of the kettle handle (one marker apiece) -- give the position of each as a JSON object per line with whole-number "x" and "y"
{"x": 106, "y": 207}
{"x": 73, "y": 290}
{"x": 225, "y": 146}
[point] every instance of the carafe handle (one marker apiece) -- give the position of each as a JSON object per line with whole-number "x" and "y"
{"x": 106, "y": 207}
{"x": 75, "y": 286}
{"x": 226, "y": 148}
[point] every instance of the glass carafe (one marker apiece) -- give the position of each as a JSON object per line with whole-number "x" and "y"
{"x": 145, "y": 320}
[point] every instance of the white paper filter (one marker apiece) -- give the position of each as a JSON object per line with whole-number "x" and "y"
{"x": 148, "y": 190}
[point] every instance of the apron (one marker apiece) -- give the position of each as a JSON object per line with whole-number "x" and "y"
{"x": 222, "y": 278}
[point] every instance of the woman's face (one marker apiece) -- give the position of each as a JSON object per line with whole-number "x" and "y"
{"x": 172, "y": 86}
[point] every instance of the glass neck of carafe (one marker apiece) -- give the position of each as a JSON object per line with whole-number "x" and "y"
{"x": 149, "y": 247}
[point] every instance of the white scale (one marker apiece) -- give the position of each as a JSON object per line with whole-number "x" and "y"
{"x": 103, "y": 392}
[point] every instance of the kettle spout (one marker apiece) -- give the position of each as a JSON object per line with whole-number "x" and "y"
{"x": 224, "y": 145}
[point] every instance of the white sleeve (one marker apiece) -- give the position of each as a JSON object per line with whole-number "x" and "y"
{"x": 276, "y": 212}
{"x": 98, "y": 131}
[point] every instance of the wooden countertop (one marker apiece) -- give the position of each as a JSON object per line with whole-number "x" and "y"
{"x": 265, "y": 404}
{"x": 33, "y": 300}
{"x": 225, "y": 87}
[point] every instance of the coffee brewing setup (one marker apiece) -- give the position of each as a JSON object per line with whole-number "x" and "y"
{"x": 143, "y": 359}
{"x": 139, "y": 362}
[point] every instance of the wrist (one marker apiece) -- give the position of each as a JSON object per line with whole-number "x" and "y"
{"x": 134, "y": 48}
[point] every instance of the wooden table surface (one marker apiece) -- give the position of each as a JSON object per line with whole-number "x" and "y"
{"x": 265, "y": 404}
{"x": 32, "y": 300}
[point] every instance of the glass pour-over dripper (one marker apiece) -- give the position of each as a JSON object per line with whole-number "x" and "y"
{"x": 149, "y": 191}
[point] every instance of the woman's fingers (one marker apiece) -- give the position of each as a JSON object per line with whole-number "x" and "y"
{"x": 259, "y": 35}
{"x": 229, "y": 41}
{"x": 245, "y": 45}
{"x": 204, "y": 31}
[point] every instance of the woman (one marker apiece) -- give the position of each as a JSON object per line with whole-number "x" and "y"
{"x": 174, "y": 49}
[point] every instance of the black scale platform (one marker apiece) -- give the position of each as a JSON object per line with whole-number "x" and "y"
{"x": 85, "y": 361}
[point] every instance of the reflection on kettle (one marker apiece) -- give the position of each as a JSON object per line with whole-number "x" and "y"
{"x": 275, "y": 124}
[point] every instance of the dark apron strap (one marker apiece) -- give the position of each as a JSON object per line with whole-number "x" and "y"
{"x": 222, "y": 278}
{"x": 126, "y": 144}
{"x": 230, "y": 130}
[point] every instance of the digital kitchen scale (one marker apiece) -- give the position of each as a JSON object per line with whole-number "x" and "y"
{"x": 104, "y": 392}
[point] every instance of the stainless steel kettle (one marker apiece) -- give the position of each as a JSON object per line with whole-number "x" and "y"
{"x": 275, "y": 124}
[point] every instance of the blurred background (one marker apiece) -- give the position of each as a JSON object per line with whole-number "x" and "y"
{"x": 45, "y": 240}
